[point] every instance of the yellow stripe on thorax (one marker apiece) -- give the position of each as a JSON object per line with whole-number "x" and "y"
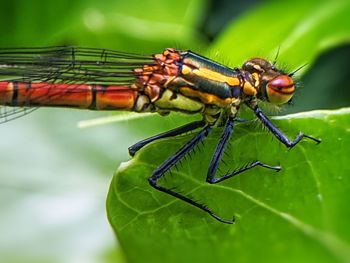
{"x": 207, "y": 98}
{"x": 211, "y": 75}
{"x": 248, "y": 89}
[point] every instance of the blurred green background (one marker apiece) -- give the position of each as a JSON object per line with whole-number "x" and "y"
{"x": 54, "y": 177}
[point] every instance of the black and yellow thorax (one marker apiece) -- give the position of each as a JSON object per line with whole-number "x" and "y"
{"x": 187, "y": 82}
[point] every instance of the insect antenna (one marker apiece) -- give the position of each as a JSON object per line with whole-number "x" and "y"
{"x": 276, "y": 57}
{"x": 295, "y": 71}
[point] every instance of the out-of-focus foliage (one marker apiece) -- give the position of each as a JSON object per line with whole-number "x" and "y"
{"x": 142, "y": 26}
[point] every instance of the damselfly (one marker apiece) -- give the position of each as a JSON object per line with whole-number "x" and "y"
{"x": 182, "y": 81}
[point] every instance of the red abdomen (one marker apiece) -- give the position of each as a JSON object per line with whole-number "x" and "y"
{"x": 84, "y": 96}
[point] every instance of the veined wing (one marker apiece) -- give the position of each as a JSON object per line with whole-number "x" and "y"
{"x": 69, "y": 65}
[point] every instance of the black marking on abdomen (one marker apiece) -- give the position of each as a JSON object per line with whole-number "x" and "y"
{"x": 93, "y": 94}
{"x": 14, "y": 100}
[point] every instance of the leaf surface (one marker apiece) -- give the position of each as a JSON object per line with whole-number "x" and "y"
{"x": 301, "y": 211}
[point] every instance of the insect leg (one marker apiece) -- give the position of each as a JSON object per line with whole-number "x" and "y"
{"x": 217, "y": 156}
{"x": 279, "y": 134}
{"x": 177, "y": 131}
{"x": 163, "y": 168}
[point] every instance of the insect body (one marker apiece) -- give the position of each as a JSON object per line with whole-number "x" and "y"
{"x": 171, "y": 81}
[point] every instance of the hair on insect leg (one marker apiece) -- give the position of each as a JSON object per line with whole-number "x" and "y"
{"x": 199, "y": 147}
{"x": 174, "y": 188}
{"x": 219, "y": 170}
{"x": 194, "y": 150}
{"x": 223, "y": 162}
{"x": 226, "y": 154}
{"x": 180, "y": 163}
{"x": 189, "y": 155}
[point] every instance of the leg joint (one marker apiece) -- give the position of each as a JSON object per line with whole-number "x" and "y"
{"x": 152, "y": 181}
{"x": 211, "y": 180}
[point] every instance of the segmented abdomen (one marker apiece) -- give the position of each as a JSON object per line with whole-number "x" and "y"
{"x": 95, "y": 97}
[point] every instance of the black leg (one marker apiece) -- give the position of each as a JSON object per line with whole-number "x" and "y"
{"x": 220, "y": 148}
{"x": 162, "y": 169}
{"x": 180, "y": 130}
{"x": 279, "y": 135}
{"x": 240, "y": 170}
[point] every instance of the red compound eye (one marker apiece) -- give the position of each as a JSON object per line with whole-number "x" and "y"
{"x": 280, "y": 89}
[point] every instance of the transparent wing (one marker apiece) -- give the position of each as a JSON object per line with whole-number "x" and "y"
{"x": 66, "y": 65}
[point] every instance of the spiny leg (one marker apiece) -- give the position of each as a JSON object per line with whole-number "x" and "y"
{"x": 163, "y": 168}
{"x": 219, "y": 151}
{"x": 278, "y": 133}
{"x": 177, "y": 131}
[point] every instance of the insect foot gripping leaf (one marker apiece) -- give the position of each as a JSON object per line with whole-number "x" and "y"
{"x": 302, "y": 211}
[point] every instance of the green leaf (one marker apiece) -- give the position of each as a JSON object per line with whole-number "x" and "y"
{"x": 140, "y": 26}
{"x": 300, "y": 214}
{"x": 302, "y": 30}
